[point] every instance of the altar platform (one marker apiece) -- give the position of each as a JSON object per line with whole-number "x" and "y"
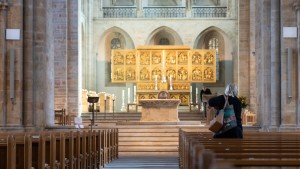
{"x": 159, "y": 110}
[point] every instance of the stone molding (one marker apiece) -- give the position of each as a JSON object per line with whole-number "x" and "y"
{"x": 3, "y": 5}
{"x": 296, "y": 5}
{"x": 159, "y": 102}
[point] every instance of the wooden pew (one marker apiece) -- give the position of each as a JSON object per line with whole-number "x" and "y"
{"x": 244, "y": 152}
{"x": 78, "y": 150}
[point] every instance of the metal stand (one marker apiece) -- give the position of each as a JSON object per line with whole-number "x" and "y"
{"x": 105, "y": 109}
{"x": 93, "y": 100}
{"x": 113, "y": 108}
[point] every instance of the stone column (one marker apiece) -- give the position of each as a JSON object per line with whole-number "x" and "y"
{"x": 28, "y": 64}
{"x": 274, "y": 114}
{"x": 297, "y": 9}
{"x": 3, "y": 101}
{"x": 72, "y": 58}
{"x": 263, "y": 61}
{"x": 43, "y": 64}
{"x": 188, "y": 8}
{"x": 139, "y": 8}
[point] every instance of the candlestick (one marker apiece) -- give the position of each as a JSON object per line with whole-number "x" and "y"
{"x": 134, "y": 94}
{"x": 128, "y": 95}
{"x": 171, "y": 87}
{"x": 123, "y": 108}
{"x": 155, "y": 88}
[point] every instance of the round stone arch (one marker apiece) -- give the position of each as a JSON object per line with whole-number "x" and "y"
{"x": 162, "y": 34}
{"x": 224, "y": 50}
{"x": 104, "y": 52}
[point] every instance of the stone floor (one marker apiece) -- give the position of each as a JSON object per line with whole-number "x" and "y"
{"x": 144, "y": 162}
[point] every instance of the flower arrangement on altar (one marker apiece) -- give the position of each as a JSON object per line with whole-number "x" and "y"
{"x": 243, "y": 101}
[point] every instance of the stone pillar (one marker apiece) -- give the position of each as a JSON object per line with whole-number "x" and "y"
{"x": 139, "y": 8}
{"x": 72, "y": 58}
{"x": 43, "y": 64}
{"x": 15, "y": 73}
{"x": 97, "y": 8}
{"x": 263, "y": 61}
{"x": 274, "y": 114}
{"x": 297, "y": 9}
{"x": 28, "y": 64}
{"x": 188, "y": 8}
{"x": 3, "y": 101}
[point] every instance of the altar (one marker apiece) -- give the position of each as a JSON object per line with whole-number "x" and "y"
{"x": 159, "y": 110}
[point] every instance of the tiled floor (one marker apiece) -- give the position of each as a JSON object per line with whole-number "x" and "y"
{"x": 144, "y": 162}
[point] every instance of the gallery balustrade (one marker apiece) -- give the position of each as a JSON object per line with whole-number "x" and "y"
{"x": 165, "y": 12}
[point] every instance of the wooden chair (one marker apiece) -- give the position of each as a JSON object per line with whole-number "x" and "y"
{"x": 60, "y": 115}
{"x": 194, "y": 105}
{"x": 135, "y": 105}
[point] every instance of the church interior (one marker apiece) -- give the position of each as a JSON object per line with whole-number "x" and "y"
{"x": 126, "y": 83}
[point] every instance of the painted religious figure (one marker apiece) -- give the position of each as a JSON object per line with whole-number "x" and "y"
{"x": 182, "y": 74}
{"x": 196, "y": 58}
{"x": 145, "y": 58}
{"x": 144, "y": 74}
{"x": 182, "y": 57}
{"x": 118, "y": 59}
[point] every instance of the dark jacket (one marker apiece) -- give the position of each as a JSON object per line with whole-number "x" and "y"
{"x": 206, "y": 91}
{"x": 218, "y": 103}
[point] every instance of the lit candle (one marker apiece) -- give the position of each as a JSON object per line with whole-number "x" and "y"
{"x": 191, "y": 89}
{"x": 196, "y": 90}
{"x": 134, "y": 93}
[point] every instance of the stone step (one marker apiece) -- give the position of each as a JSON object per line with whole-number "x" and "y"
{"x": 148, "y": 148}
{"x": 155, "y": 129}
{"x": 150, "y": 143}
{"x": 148, "y": 139}
{"x": 148, "y": 134}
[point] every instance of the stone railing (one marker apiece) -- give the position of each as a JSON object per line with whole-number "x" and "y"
{"x": 208, "y": 12}
{"x": 119, "y": 12}
{"x": 164, "y": 12}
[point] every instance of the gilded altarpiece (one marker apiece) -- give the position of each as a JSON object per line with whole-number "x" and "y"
{"x": 156, "y": 68}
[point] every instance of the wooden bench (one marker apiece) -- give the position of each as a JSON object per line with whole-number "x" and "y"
{"x": 256, "y": 149}
{"x": 80, "y": 149}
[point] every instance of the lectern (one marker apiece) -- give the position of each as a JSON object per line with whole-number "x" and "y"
{"x": 93, "y": 100}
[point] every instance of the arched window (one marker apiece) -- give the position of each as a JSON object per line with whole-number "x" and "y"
{"x": 164, "y": 41}
{"x": 115, "y": 43}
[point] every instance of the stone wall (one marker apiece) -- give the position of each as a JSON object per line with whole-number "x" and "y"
{"x": 40, "y": 48}
{"x": 65, "y": 32}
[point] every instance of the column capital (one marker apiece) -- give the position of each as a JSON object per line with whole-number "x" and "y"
{"x": 296, "y": 5}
